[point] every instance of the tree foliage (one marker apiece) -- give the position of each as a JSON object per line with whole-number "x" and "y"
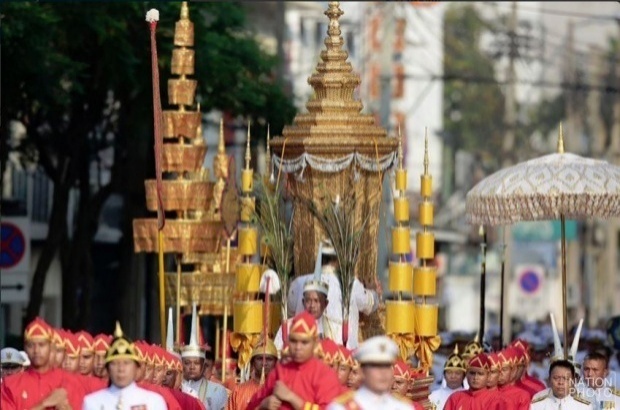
{"x": 78, "y": 77}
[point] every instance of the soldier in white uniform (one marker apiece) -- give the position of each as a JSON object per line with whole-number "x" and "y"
{"x": 596, "y": 386}
{"x": 561, "y": 379}
{"x": 376, "y": 355}
{"x": 122, "y": 365}
{"x": 362, "y": 299}
{"x": 212, "y": 395}
{"x": 315, "y": 302}
{"x": 454, "y": 376}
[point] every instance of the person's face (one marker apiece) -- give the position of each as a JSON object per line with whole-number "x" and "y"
{"x": 122, "y": 372}
{"x": 148, "y": 372}
{"x": 71, "y": 363}
{"x": 521, "y": 370}
{"x": 263, "y": 360}
{"x": 99, "y": 368}
{"x": 301, "y": 349}
{"x": 493, "y": 378}
{"x": 208, "y": 370}
{"x": 9, "y": 369}
{"x": 400, "y": 386}
{"x": 505, "y": 375}
{"x": 561, "y": 380}
{"x": 59, "y": 356}
{"x": 594, "y": 373}
{"x": 477, "y": 378}
{"x": 179, "y": 380}
{"x": 39, "y": 353}
{"x": 86, "y": 362}
{"x": 343, "y": 373}
{"x": 454, "y": 378}
{"x": 315, "y": 303}
{"x": 333, "y": 365}
{"x": 514, "y": 374}
{"x": 378, "y": 378}
{"x": 140, "y": 372}
{"x": 170, "y": 378}
{"x": 355, "y": 378}
{"x": 159, "y": 373}
{"x": 193, "y": 368}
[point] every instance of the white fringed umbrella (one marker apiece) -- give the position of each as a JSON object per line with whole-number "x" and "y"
{"x": 555, "y": 186}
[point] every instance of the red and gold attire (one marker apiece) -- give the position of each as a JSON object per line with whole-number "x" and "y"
{"x": 528, "y": 383}
{"x": 242, "y": 394}
{"x": 519, "y": 398}
{"x": 313, "y": 381}
{"x": 27, "y": 389}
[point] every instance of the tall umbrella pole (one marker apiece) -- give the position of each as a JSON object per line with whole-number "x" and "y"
{"x": 483, "y": 280}
{"x": 501, "y": 297}
{"x": 564, "y": 311}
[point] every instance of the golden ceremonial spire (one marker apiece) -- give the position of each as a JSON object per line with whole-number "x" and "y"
{"x": 561, "y": 141}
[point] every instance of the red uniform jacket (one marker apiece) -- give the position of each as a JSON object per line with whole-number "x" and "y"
{"x": 520, "y": 399}
{"x": 313, "y": 381}
{"x": 171, "y": 402}
{"x": 27, "y": 389}
{"x": 530, "y": 384}
{"x": 186, "y": 401}
{"x": 475, "y": 400}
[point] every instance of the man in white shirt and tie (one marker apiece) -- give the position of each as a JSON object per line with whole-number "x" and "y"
{"x": 122, "y": 364}
{"x": 561, "y": 394}
{"x": 362, "y": 300}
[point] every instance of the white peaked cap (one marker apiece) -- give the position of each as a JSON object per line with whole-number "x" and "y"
{"x": 9, "y": 355}
{"x": 193, "y": 349}
{"x": 377, "y": 349}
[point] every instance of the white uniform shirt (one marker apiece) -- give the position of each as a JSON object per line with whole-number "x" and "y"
{"x": 130, "y": 397}
{"x": 367, "y": 400}
{"x": 550, "y": 402}
{"x": 440, "y": 396}
{"x": 602, "y": 397}
{"x": 214, "y": 396}
{"x": 326, "y": 329}
{"x": 362, "y": 300}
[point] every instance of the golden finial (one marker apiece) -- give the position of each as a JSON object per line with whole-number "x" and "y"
{"x": 426, "y": 151}
{"x": 184, "y": 11}
{"x": 481, "y": 230}
{"x": 400, "y": 148}
{"x": 118, "y": 332}
{"x": 334, "y": 12}
{"x": 456, "y": 349}
{"x": 561, "y": 141}
{"x": 248, "y": 157}
{"x": 221, "y": 146}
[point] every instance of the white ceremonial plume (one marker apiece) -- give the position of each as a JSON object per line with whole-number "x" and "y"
{"x": 170, "y": 332}
{"x": 152, "y": 15}
{"x": 318, "y": 264}
{"x": 575, "y": 345}
{"x": 193, "y": 340}
{"x": 558, "y": 352}
{"x": 274, "y": 282}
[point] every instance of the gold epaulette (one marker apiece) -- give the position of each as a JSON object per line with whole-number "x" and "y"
{"x": 541, "y": 398}
{"x": 614, "y": 391}
{"x": 578, "y": 397}
{"x": 344, "y": 398}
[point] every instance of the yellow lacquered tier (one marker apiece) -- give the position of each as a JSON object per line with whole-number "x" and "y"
{"x": 426, "y": 320}
{"x": 248, "y": 316}
{"x": 401, "y": 209}
{"x": 426, "y": 213}
{"x": 399, "y": 316}
{"x": 248, "y": 241}
{"x": 401, "y": 277}
{"x": 248, "y": 205}
{"x": 401, "y": 244}
{"x": 247, "y": 278}
{"x": 247, "y": 181}
{"x": 426, "y": 185}
{"x": 425, "y": 245}
{"x": 401, "y": 179}
{"x": 425, "y": 281}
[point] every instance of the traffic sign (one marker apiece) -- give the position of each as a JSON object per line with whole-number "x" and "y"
{"x": 14, "y": 287}
{"x": 15, "y": 245}
{"x": 530, "y": 278}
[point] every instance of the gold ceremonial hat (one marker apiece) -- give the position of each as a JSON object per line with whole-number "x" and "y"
{"x": 472, "y": 349}
{"x": 261, "y": 349}
{"x": 454, "y": 361}
{"x": 121, "y": 347}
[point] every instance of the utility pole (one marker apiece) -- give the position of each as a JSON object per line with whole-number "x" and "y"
{"x": 387, "y": 51}
{"x": 510, "y": 122}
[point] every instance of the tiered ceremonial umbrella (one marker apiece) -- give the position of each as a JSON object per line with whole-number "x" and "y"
{"x": 555, "y": 186}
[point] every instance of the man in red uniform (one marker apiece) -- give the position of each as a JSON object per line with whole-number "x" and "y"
{"x": 345, "y": 363}
{"x": 40, "y": 386}
{"x": 87, "y": 353}
{"x": 524, "y": 381}
{"x": 71, "y": 359}
{"x": 142, "y": 350}
{"x": 327, "y": 351}
{"x": 263, "y": 360}
{"x": 304, "y": 382}
{"x": 101, "y": 346}
{"x": 402, "y": 377}
{"x": 477, "y": 397}
{"x": 58, "y": 349}
{"x": 507, "y": 378}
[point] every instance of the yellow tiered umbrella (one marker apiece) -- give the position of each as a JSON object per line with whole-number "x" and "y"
{"x": 554, "y": 186}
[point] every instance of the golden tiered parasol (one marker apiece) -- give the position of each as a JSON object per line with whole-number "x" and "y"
{"x": 554, "y": 186}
